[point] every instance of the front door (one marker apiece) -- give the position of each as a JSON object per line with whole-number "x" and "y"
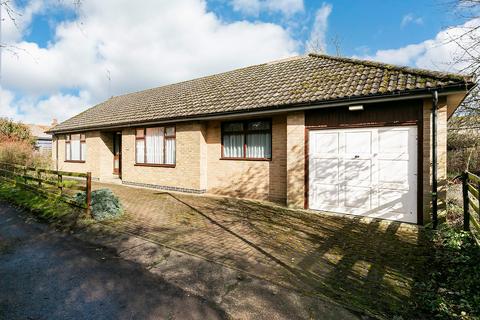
{"x": 117, "y": 154}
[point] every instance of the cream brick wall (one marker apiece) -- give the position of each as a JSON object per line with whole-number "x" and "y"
{"x": 243, "y": 178}
{"x": 441, "y": 156}
{"x": 296, "y": 159}
{"x": 187, "y": 172}
{"x": 99, "y": 157}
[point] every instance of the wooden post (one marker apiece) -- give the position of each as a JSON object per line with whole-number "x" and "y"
{"x": 466, "y": 205}
{"x": 478, "y": 193}
{"x": 39, "y": 177}
{"x": 60, "y": 183}
{"x": 89, "y": 192}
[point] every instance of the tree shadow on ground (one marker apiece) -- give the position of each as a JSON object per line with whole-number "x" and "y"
{"x": 46, "y": 275}
{"x": 364, "y": 264}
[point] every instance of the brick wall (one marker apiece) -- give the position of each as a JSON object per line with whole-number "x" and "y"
{"x": 99, "y": 157}
{"x": 296, "y": 159}
{"x": 251, "y": 179}
{"x": 441, "y": 156}
{"x": 187, "y": 172}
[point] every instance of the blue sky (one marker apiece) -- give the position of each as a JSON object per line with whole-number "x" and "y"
{"x": 372, "y": 24}
{"x": 63, "y": 59}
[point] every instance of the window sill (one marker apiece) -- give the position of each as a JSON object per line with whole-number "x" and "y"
{"x": 247, "y": 159}
{"x": 75, "y": 161}
{"x": 155, "y": 165}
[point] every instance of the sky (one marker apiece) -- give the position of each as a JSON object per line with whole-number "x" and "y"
{"x": 60, "y": 58}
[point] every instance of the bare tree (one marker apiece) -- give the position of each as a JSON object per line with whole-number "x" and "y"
{"x": 317, "y": 45}
{"x": 468, "y": 55}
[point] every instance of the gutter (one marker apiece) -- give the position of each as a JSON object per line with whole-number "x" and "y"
{"x": 274, "y": 110}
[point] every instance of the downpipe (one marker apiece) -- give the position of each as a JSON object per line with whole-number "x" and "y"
{"x": 434, "y": 160}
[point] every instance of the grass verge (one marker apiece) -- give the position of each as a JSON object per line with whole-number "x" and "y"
{"x": 48, "y": 209}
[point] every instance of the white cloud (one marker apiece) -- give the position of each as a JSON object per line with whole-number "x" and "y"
{"x": 439, "y": 53}
{"x": 143, "y": 46}
{"x": 253, "y": 7}
{"x": 30, "y": 110}
{"x": 411, "y": 18}
{"x": 15, "y": 20}
{"x": 317, "y": 40}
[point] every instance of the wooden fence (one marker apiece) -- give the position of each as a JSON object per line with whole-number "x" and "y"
{"x": 59, "y": 184}
{"x": 471, "y": 204}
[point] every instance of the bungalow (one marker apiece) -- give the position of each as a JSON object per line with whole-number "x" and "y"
{"x": 314, "y": 131}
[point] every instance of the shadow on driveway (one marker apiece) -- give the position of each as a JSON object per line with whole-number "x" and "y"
{"x": 364, "y": 264}
{"x": 47, "y": 276}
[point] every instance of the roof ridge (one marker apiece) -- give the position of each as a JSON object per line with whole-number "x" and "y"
{"x": 417, "y": 71}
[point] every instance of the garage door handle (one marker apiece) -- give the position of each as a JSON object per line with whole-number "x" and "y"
{"x": 356, "y": 157}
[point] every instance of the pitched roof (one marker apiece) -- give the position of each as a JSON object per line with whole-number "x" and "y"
{"x": 299, "y": 80}
{"x": 38, "y": 131}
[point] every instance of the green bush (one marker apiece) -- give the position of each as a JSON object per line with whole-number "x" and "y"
{"x": 105, "y": 204}
{"x": 452, "y": 290}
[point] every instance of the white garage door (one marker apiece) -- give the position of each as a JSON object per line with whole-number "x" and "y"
{"x": 370, "y": 172}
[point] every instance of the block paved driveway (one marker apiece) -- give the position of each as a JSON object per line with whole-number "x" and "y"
{"x": 362, "y": 263}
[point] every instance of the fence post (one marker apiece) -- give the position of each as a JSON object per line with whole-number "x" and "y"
{"x": 60, "y": 183}
{"x": 39, "y": 176}
{"x": 478, "y": 193}
{"x": 89, "y": 192}
{"x": 466, "y": 205}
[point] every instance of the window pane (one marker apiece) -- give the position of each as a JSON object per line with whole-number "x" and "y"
{"x": 140, "y": 133}
{"x": 84, "y": 150}
{"x": 258, "y": 125}
{"x": 67, "y": 151}
{"x": 75, "y": 147}
{"x": 233, "y": 145}
{"x": 140, "y": 151}
{"x": 154, "y": 142}
{"x": 170, "y": 151}
{"x": 259, "y": 145}
{"x": 67, "y": 137}
{"x": 233, "y": 126}
{"x": 170, "y": 131}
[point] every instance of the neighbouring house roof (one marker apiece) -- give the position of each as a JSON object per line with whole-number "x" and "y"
{"x": 309, "y": 79}
{"x": 38, "y": 131}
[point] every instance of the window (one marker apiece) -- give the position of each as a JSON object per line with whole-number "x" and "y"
{"x": 75, "y": 147}
{"x": 247, "y": 140}
{"x": 155, "y": 146}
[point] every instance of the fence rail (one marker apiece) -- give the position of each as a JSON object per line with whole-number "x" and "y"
{"x": 60, "y": 184}
{"x": 471, "y": 204}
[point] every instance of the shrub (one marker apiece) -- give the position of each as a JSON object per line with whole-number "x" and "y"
{"x": 105, "y": 204}
{"x": 452, "y": 290}
{"x": 10, "y": 130}
{"x": 23, "y": 153}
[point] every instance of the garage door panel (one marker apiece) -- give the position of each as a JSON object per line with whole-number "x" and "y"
{"x": 358, "y": 172}
{"x": 324, "y": 169}
{"x": 393, "y": 200}
{"x": 358, "y": 142}
{"x": 325, "y": 143}
{"x": 326, "y": 195}
{"x": 393, "y": 171}
{"x": 393, "y": 141}
{"x": 358, "y": 198}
